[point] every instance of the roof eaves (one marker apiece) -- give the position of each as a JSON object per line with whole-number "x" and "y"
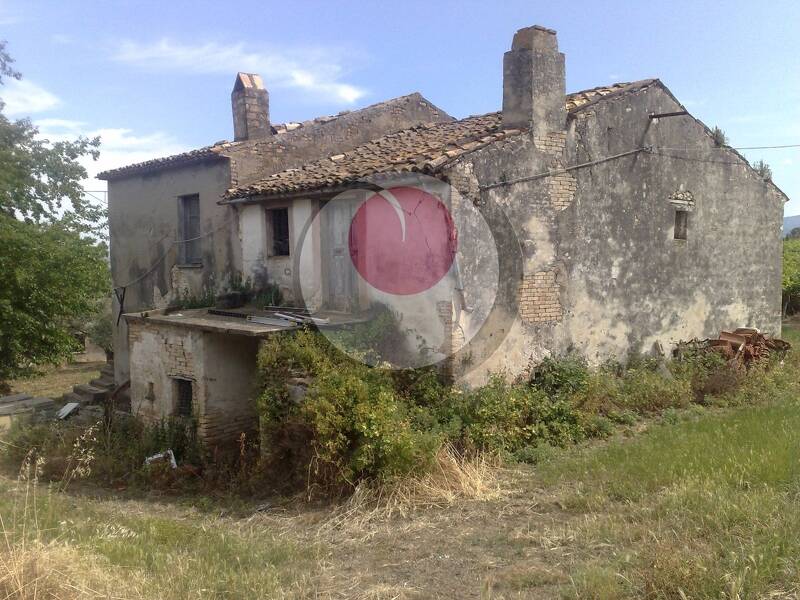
{"x": 630, "y": 88}
{"x": 178, "y": 160}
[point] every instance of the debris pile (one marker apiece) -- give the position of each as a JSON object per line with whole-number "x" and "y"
{"x": 742, "y": 347}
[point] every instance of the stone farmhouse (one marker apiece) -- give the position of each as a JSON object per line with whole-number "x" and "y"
{"x": 615, "y": 222}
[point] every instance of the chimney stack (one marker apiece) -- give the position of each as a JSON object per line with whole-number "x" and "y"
{"x": 534, "y": 86}
{"x": 250, "y": 103}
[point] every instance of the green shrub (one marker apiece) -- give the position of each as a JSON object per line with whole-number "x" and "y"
{"x": 648, "y": 392}
{"x": 117, "y": 450}
{"x": 561, "y": 376}
{"x": 356, "y": 421}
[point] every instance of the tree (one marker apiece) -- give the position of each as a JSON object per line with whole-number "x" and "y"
{"x": 52, "y": 264}
{"x": 791, "y": 275}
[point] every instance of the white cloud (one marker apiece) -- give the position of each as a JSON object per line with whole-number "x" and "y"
{"x": 316, "y": 71}
{"x": 118, "y": 146}
{"x": 23, "y": 97}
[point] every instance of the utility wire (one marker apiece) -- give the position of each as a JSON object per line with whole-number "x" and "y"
{"x": 552, "y": 172}
{"x": 766, "y": 147}
{"x": 172, "y": 244}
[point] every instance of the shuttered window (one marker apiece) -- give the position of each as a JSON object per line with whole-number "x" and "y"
{"x": 681, "y": 224}
{"x": 278, "y": 219}
{"x": 189, "y": 219}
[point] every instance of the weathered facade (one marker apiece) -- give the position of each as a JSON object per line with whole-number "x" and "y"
{"x": 148, "y": 265}
{"x": 584, "y": 193}
{"x": 604, "y": 222}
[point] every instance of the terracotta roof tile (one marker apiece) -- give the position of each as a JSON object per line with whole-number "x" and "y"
{"x": 423, "y": 148}
{"x": 217, "y": 150}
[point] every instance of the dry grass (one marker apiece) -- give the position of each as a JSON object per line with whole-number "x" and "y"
{"x": 57, "y": 381}
{"x": 36, "y": 571}
{"x": 454, "y": 478}
{"x": 701, "y": 505}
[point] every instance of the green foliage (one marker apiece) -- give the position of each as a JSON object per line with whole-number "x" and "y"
{"x": 763, "y": 169}
{"x": 52, "y": 271}
{"x": 565, "y": 375}
{"x": 50, "y": 275}
{"x": 358, "y": 425}
{"x": 118, "y": 449}
{"x": 719, "y": 137}
{"x": 39, "y": 179}
{"x": 100, "y": 326}
{"x": 204, "y": 299}
{"x": 268, "y": 294}
{"x": 509, "y": 417}
{"x": 791, "y": 275}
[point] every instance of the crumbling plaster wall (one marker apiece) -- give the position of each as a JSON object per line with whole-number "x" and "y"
{"x": 143, "y": 208}
{"x": 222, "y": 369}
{"x": 526, "y": 324}
{"x": 143, "y": 226}
{"x": 600, "y": 272}
{"x": 630, "y": 283}
{"x": 255, "y": 241}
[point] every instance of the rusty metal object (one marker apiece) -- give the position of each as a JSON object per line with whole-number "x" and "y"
{"x": 742, "y": 347}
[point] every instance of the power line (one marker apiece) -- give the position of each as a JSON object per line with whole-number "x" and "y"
{"x": 686, "y": 148}
{"x": 552, "y": 172}
{"x": 167, "y": 251}
{"x": 766, "y": 147}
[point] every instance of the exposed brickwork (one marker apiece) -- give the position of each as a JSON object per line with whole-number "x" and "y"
{"x": 562, "y": 190}
{"x": 539, "y": 300}
{"x": 218, "y": 427}
{"x": 553, "y": 143}
{"x": 178, "y": 358}
{"x": 562, "y": 187}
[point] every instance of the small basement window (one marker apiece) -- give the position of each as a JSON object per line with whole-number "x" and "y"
{"x": 278, "y": 221}
{"x": 681, "y": 224}
{"x": 183, "y": 398}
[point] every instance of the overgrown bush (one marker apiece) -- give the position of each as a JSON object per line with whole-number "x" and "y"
{"x": 329, "y": 422}
{"x": 357, "y": 423}
{"x": 117, "y": 449}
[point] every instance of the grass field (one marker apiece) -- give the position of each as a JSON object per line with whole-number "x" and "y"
{"x": 702, "y": 503}
{"x": 57, "y": 381}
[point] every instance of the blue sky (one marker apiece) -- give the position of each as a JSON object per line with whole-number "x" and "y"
{"x": 154, "y": 78}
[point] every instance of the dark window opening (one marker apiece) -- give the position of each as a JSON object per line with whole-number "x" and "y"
{"x": 278, "y": 219}
{"x": 183, "y": 398}
{"x": 681, "y": 224}
{"x": 189, "y": 230}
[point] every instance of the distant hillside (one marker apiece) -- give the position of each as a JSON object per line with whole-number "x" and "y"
{"x": 790, "y": 223}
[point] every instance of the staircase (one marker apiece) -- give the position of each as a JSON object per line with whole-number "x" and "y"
{"x": 96, "y": 391}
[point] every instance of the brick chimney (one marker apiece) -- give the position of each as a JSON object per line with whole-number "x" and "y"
{"x": 534, "y": 86}
{"x": 250, "y": 103}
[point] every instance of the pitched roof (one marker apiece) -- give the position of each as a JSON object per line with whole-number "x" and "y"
{"x": 281, "y": 132}
{"x": 423, "y": 148}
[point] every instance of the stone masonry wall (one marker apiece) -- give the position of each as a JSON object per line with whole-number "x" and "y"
{"x": 221, "y": 368}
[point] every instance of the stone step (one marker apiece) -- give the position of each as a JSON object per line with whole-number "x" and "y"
{"x": 104, "y": 382}
{"x": 73, "y": 397}
{"x": 28, "y": 404}
{"x": 92, "y": 394}
{"x": 108, "y": 370}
